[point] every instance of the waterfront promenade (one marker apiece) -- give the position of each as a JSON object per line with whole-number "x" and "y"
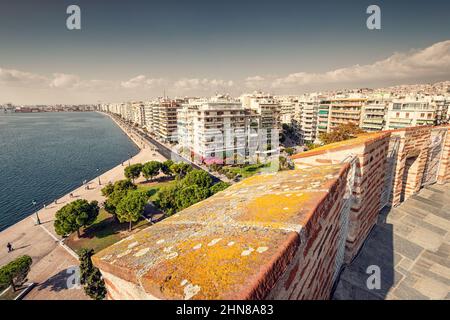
{"x": 51, "y": 259}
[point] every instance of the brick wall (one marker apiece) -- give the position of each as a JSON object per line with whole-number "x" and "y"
{"x": 311, "y": 272}
{"x": 284, "y": 235}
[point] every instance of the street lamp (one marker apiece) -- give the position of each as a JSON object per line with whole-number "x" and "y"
{"x": 129, "y": 156}
{"x": 38, "y": 221}
{"x": 99, "y": 182}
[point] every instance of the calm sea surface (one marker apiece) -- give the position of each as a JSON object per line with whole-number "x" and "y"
{"x": 46, "y": 155}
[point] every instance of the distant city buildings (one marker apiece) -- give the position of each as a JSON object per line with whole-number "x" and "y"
{"x": 225, "y": 129}
{"x": 9, "y": 107}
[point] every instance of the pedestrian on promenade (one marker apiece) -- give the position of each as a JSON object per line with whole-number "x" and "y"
{"x": 9, "y": 246}
{"x": 56, "y": 201}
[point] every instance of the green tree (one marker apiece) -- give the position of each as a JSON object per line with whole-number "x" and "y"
{"x": 74, "y": 215}
{"x": 342, "y": 132}
{"x": 218, "y": 187}
{"x": 165, "y": 167}
{"x": 198, "y": 177}
{"x": 166, "y": 199}
{"x": 90, "y": 276}
{"x": 151, "y": 169}
{"x": 131, "y": 207}
{"x": 180, "y": 169}
{"x": 289, "y": 151}
{"x": 120, "y": 190}
{"x": 311, "y": 145}
{"x": 190, "y": 195}
{"x": 132, "y": 172}
{"x": 15, "y": 272}
{"x": 108, "y": 189}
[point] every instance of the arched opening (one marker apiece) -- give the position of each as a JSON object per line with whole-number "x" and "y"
{"x": 409, "y": 177}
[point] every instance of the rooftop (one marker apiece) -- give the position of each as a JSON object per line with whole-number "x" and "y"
{"x": 411, "y": 245}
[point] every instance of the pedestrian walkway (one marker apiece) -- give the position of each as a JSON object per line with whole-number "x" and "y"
{"x": 411, "y": 246}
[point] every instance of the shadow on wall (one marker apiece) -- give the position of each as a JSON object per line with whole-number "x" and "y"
{"x": 358, "y": 280}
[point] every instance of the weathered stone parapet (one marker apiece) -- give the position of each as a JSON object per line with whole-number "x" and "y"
{"x": 234, "y": 245}
{"x": 282, "y": 235}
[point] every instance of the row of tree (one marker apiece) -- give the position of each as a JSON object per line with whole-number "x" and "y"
{"x": 196, "y": 186}
{"x": 151, "y": 169}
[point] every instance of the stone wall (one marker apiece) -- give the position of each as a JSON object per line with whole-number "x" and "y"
{"x": 283, "y": 235}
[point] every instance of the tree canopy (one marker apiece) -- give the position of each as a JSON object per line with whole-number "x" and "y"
{"x": 198, "y": 177}
{"x": 131, "y": 207}
{"x": 134, "y": 171}
{"x": 165, "y": 167}
{"x": 74, "y": 215}
{"x": 190, "y": 195}
{"x": 166, "y": 199}
{"x": 15, "y": 272}
{"x": 108, "y": 189}
{"x": 120, "y": 189}
{"x": 90, "y": 276}
{"x": 218, "y": 187}
{"x": 342, "y": 132}
{"x": 180, "y": 169}
{"x": 151, "y": 169}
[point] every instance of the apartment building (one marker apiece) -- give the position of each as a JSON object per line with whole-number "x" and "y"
{"x": 287, "y": 110}
{"x": 138, "y": 113}
{"x": 165, "y": 120}
{"x": 323, "y": 117}
{"x": 213, "y": 130}
{"x": 409, "y": 113}
{"x": 374, "y": 113}
{"x": 221, "y": 130}
{"x": 345, "y": 110}
{"x": 307, "y": 120}
{"x": 441, "y": 106}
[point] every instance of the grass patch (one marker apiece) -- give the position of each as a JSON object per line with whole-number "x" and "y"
{"x": 248, "y": 170}
{"x": 104, "y": 232}
{"x": 152, "y": 188}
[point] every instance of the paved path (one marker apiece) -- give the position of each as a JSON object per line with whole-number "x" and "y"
{"x": 411, "y": 245}
{"x": 50, "y": 259}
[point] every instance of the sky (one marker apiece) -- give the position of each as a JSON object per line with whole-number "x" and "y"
{"x": 134, "y": 50}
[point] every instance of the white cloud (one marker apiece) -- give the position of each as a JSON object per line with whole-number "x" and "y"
{"x": 142, "y": 81}
{"x": 202, "y": 84}
{"x": 19, "y": 78}
{"x": 429, "y": 62}
{"x": 421, "y": 65}
{"x": 255, "y": 82}
{"x": 63, "y": 80}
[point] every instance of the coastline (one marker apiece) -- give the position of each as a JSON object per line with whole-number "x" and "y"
{"x": 51, "y": 257}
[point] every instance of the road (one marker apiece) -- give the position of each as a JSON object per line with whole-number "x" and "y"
{"x": 162, "y": 149}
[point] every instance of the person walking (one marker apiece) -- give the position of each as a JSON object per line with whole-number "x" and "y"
{"x": 9, "y": 246}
